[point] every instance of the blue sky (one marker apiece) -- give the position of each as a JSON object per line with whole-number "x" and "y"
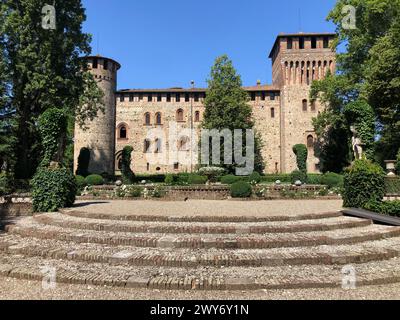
{"x": 168, "y": 43}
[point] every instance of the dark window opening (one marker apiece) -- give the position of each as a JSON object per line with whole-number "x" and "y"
{"x": 187, "y": 97}
{"x": 168, "y": 97}
{"x": 301, "y": 43}
{"x": 121, "y": 98}
{"x": 105, "y": 65}
{"x": 197, "y": 116}
{"x": 147, "y": 145}
{"x": 158, "y": 118}
{"x": 314, "y": 43}
{"x": 140, "y": 96}
{"x": 123, "y": 134}
{"x": 176, "y": 166}
{"x": 179, "y": 115}
{"x": 147, "y": 119}
{"x": 196, "y": 97}
{"x": 150, "y": 98}
{"x": 159, "y": 98}
{"x": 326, "y": 42}
{"x": 148, "y": 166}
{"x": 253, "y": 96}
{"x": 178, "y": 97}
{"x": 290, "y": 43}
{"x": 95, "y": 64}
{"x": 272, "y": 96}
{"x": 305, "y": 106}
{"x": 272, "y": 112}
{"x": 263, "y": 96}
{"x": 131, "y": 97}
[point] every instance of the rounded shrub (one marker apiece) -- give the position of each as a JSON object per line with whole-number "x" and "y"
{"x": 255, "y": 177}
{"x": 94, "y": 180}
{"x": 241, "y": 189}
{"x": 80, "y": 182}
{"x": 53, "y": 189}
{"x": 332, "y": 180}
{"x": 315, "y": 179}
{"x": 298, "y": 175}
{"x": 169, "y": 179}
{"x": 364, "y": 181}
{"x": 230, "y": 179}
{"x": 196, "y": 179}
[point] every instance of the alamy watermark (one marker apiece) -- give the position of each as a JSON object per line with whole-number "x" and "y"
{"x": 349, "y": 20}
{"x": 349, "y": 278}
{"x": 49, "y": 277}
{"x": 49, "y": 17}
{"x": 211, "y": 147}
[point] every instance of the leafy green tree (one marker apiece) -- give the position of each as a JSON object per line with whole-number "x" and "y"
{"x": 227, "y": 106}
{"x": 368, "y": 70}
{"x": 43, "y": 69}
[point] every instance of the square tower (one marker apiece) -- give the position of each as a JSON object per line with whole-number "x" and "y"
{"x": 297, "y": 61}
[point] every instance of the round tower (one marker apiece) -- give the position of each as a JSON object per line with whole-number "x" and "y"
{"x": 99, "y": 137}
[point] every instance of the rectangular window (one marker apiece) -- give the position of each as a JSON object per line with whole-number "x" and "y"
{"x": 196, "y": 97}
{"x": 105, "y": 65}
{"x": 272, "y": 112}
{"x": 131, "y": 97}
{"x": 176, "y": 166}
{"x": 314, "y": 43}
{"x": 148, "y": 166}
{"x": 168, "y": 97}
{"x": 159, "y": 98}
{"x": 140, "y": 96}
{"x": 301, "y": 43}
{"x": 178, "y": 97}
{"x": 150, "y": 98}
{"x": 253, "y": 96}
{"x": 290, "y": 43}
{"x": 121, "y": 98}
{"x": 326, "y": 42}
{"x": 272, "y": 96}
{"x": 95, "y": 63}
{"x": 187, "y": 97}
{"x": 263, "y": 96}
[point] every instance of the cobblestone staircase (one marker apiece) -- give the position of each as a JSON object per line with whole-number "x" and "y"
{"x": 201, "y": 252}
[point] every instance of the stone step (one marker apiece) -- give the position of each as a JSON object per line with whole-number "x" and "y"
{"x": 231, "y": 278}
{"x": 30, "y": 228}
{"x": 326, "y": 224}
{"x": 125, "y": 255}
{"x": 200, "y": 218}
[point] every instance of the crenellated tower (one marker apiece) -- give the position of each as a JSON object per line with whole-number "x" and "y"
{"x": 100, "y": 135}
{"x": 297, "y": 61}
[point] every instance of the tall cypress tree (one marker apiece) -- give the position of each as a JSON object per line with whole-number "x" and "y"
{"x": 227, "y": 105}
{"x": 44, "y": 70}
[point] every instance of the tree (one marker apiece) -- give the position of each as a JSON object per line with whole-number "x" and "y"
{"x": 44, "y": 69}
{"x": 227, "y": 106}
{"x": 127, "y": 173}
{"x": 368, "y": 71}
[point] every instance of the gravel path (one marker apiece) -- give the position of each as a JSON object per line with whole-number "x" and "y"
{"x": 11, "y": 289}
{"x": 215, "y": 208}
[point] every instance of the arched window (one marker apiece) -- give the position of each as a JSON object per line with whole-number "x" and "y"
{"x": 197, "y": 116}
{"x": 123, "y": 134}
{"x": 179, "y": 115}
{"x": 305, "y": 105}
{"x": 158, "y": 143}
{"x": 147, "y": 119}
{"x": 310, "y": 142}
{"x": 147, "y": 146}
{"x": 183, "y": 144}
{"x": 158, "y": 118}
{"x": 119, "y": 160}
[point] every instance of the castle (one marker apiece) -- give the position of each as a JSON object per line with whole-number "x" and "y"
{"x": 282, "y": 111}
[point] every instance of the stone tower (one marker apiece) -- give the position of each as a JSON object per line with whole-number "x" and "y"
{"x": 298, "y": 60}
{"x": 100, "y": 135}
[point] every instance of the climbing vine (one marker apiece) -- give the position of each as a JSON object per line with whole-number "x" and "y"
{"x": 53, "y": 127}
{"x": 301, "y": 152}
{"x": 361, "y": 115}
{"x": 127, "y": 173}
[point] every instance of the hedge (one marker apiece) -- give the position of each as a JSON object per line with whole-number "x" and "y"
{"x": 332, "y": 180}
{"x": 80, "y": 182}
{"x": 391, "y": 208}
{"x": 298, "y": 175}
{"x": 94, "y": 180}
{"x": 197, "y": 179}
{"x": 241, "y": 189}
{"x": 230, "y": 179}
{"x": 255, "y": 177}
{"x": 53, "y": 189}
{"x": 364, "y": 181}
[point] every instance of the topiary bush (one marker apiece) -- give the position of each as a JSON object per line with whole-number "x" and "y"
{"x": 80, "y": 182}
{"x": 241, "y": 189}
{"x": 128, "y": 176}
{"x": 196, "y": 179}
{"x": 230, "y": 179}
{"x": 298, "y": 175}
{"x": 364, "y": 181}
{"x": 301, "y": 152}
{"x": 332, "y": 180}
{"x": 94, "y": 180}
{"x": 83, "y": 163}
{"x": 255, "y": 178}
{"x": 53, "y": 189}
{"x": 169, "y": 179}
